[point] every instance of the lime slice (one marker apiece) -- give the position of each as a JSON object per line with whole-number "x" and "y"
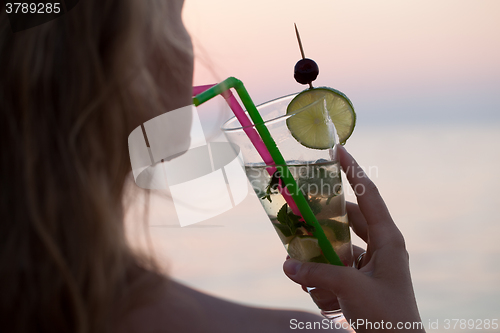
{"x": 330, "y": 235}
{"x": 304, "y": 248}
{"x": 336, "y": 231}
{"x": 311, "y": 127}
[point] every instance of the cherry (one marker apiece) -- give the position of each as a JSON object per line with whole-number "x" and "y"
{"x": 306, "y": 71}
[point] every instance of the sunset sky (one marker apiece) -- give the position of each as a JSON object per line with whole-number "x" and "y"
{"x": 398, "y": 61}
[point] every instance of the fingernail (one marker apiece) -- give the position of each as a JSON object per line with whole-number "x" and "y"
{"x": 291, "y": 267}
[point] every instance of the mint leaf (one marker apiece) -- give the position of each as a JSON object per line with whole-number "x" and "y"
{"x": 308, "y": 227}
{"x": 275, "y": 180}
{"x": 294, "y": 219}
{"x": 267, "y": 196}
{"x": 322, "y": 173}
{"x": 272, "y": 187}
{"x": 290, "y": 221}
{"x": 284, "y": 217}
{"x": 282, "y": 214}
{"x": 285, "y": 230}
{"x": 315, "y": 205}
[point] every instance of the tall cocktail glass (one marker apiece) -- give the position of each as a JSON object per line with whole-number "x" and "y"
{"x": 317, "y": 173}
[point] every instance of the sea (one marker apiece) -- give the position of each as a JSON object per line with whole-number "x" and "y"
{"x": 441, "y": 183}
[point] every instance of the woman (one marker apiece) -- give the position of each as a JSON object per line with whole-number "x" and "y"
{"x": 71, "y": 91}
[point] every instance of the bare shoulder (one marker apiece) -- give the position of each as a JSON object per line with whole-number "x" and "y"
{"x": 178, "y": 308}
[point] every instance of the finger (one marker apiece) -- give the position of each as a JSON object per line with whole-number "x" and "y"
{"x": 325, "y": 276}
{"x": 356, "y": 252}
{"x": 381, "y": 228}
{"x": 357, "y": 221}
{"x": 360, "y": 256}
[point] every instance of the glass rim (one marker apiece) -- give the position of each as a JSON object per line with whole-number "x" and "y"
{"x": 226, "y": 129}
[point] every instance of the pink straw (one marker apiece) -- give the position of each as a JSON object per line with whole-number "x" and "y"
{"x": 254, "y": 137}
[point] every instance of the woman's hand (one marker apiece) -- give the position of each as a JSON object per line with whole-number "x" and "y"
{"x": 380, "y": 291}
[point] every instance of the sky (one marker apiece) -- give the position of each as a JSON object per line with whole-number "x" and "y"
{"x": 398, "y": 61}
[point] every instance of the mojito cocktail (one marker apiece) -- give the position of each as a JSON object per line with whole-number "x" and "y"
{"x": 316, "y": 171}
{"x": 321, "y": 184}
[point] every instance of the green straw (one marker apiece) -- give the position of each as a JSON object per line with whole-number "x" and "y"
{"x": 285, "y": 174}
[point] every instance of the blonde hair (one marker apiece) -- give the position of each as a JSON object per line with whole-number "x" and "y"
{"x": 70, "y": 93}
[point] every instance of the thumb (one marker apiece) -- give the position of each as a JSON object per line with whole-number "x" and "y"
{"x": 323, "y": 276}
